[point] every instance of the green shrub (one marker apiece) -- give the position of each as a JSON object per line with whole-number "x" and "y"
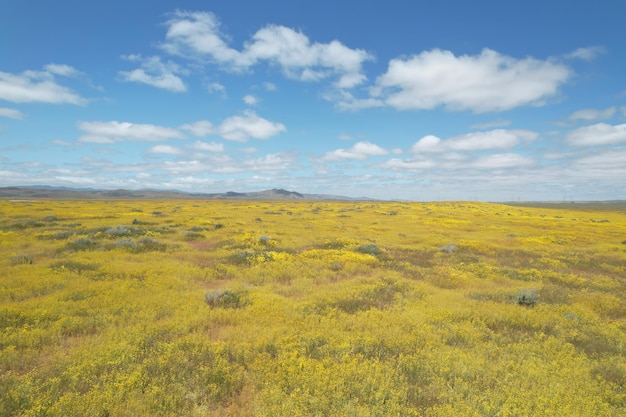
{"x": 148, "y": 244}
{"x": 223, "y": 298}
{"x": 74, "y": 266}
{"x": 123, "y": 231}
{"x": 449, "y": 248}
{"x": 62, "y": 235}
{"x": 81, "y": 244}
{"x": 21, "y": 260}
{"x": 123, "y": 244}
{"x": 190, "y": 235}
{"x": 526, "y": 298}
{"x": 369, "y": 249}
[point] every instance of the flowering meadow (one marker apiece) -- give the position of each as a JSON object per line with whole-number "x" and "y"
{"x": 307, "y": 308}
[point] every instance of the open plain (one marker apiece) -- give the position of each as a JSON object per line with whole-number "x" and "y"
{"x": 309, "y": 308}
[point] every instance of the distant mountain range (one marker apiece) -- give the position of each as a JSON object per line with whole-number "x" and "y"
{"x": 46, "y": 191}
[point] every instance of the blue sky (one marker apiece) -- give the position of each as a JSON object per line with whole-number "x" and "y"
{"x": 454, "y": 100}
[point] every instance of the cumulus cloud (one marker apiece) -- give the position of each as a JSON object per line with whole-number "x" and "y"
{"x": 201, "y": 128}
{"x": 154, "y": 72}
{"x": 396, "y": 164}
{"x": 477, "y": 141}
{"x": 269, "y": 86}
{"x": 238, "y": 128}
{"x": 208, "y": 147}
{"x": 216, "y": 88}
{"x": 11, "y": 113}
{"x": 270, "y": 163}
{"x": 601, "y": 161}
{"x": 489, "y": 125}
{"x": 345, "y": 100}
{"x": 197, "y": 35}
{"x": 488, "y": 82}
{"x": 360, "y": 151}
{"x": 62, "y": 70}
{"x": 593, "y": 114}
{"x": 505, "y": 160}
{"x": 587, "y": 54}
{"x": 247, "y": 126}
{"x": 597, "y": 134}
{"x": 38, "y": 87}
{"x": 250, "y": 100}
{"x": 113, "y": 131}
{"x": 166, "y": 150}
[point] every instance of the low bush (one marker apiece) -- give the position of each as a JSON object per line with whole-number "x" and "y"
{"x": 74, "y": 266}
{"x": 526, "y": 298}
{"x": 449, "y": 248}
{"x": 81, "y": 244}
{"x": 369, "y": 249}
{"x": 21, "y": 260}
{"x": 123, "y": 231}
{"x": 223, "y": 298}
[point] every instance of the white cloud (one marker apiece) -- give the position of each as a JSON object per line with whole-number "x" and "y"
{"x": 270, "y": 163}
{"x": 486, "y": 82}
{"x": 505, "y": 160}
{"x": 593, "y": 114}
{"x": 396, "y": 164}
{"x": 62, "y": 70}
{"x": 598, "y": 134}
{"x": 201, "y": 128}
{"x": 36, "y": 87}
{"x": 110, "y": 132}
{"x": 11, "y": 113}
{"x": 238, "y": 128}
{"x": 250, "y": 100}
{"x": 344, "y": 136}
{"x": 489, "y": 125}
{"x": 587, "y": 54}
{"x": 155, "y": 73}
{"x": 269, "y": 86}
{"x": 166, "y": 150}
{"x": 428, "y": 143}
{"x": 216, "y": 88}
{"x": 249, "y": 125}
{"x": 477, "y": 141}
{"x": 208, "y": 147}
{"x": 602, "y": 161}
{"x": 197, "y": 35}
{"x": 360, "y": 151}
{"x": 346, "y": 101}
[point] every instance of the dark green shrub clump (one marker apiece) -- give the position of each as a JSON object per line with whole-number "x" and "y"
{"x": 526, "y": 298}
{"x": 123, "y": 231}
{"x": 369, "y": 249}
{"x": 21, "y": 260}
{"x": 73, "y": 266}
{"x": 223, "y": 298}
{"x": 81, "y": 244}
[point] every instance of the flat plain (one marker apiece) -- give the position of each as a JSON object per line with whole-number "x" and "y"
{"x": 309, "y": 308}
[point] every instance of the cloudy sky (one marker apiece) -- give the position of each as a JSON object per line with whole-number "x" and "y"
{"x": 482, "y": 100}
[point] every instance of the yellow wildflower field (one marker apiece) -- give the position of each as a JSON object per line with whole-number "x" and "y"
{"x": 307, "y": 308}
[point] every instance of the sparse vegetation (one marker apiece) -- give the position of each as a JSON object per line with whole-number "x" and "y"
{"x": 345, "y": 308}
